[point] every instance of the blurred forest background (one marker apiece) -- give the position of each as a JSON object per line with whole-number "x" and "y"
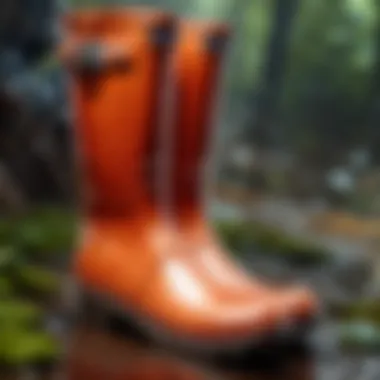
{"x": 300, "y": 106}
{"x": 297, "y": 152}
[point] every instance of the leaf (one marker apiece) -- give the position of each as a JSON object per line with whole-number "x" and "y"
{"x": 368, "y": 310}
{"x": 10, "y": 259}
{"x": 18, "y": 312}
{"x": 37, "y": 280}
{"x": 45, "y": 232}
{"x": 6, "y": 288}
{"x": 6, "y": 231}
{"x": 19, "y": 347}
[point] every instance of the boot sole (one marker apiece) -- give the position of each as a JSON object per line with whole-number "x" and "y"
{"x": 97, "y": 307}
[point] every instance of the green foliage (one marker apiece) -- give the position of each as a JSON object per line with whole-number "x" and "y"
{"x": 328, "y": 72}
{"x": 20, "y": 313}
{"x": 41, "y": 233}
{"x": 358, "y": 311}
{"x": 330, "y": 63}
{"x": 10, "y": 258}
{"x": 22, "y": 338}
{"x": 6, "y": 231}
{"x": 6, "y": 288}
{"x": 253, "y": 30}
{"x": 36, "y": 281}
{"x": 21, "y": 347}
{"x": 272, "y": 241}
{"x": 210, "y": 9}
{"x": 47, "y": 231}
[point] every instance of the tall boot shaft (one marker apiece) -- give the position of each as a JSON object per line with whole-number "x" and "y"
{"x": 118, "y": 59}
{"x": 198, "y": 58}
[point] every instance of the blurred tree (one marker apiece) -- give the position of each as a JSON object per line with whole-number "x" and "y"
{"x": 327, "y": 79}
{"x": 373, "y": 97}
{"x": 304, "y": 73}
{"x": 261, "y": 126}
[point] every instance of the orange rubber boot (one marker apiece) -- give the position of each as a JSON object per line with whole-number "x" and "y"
{"x": 128, "y": 253}
{"x": 197, "y": 62}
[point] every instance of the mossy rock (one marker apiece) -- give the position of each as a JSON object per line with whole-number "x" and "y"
{"x": 6, "y": 288}
{"x": 37, "y": 281}
{"x": 18, "y": 312}
{"x": 22, "y": 347}
{"x": 271, "y": 240}
{"x": 362, "y": 310}
{"x": 360, "y": 336}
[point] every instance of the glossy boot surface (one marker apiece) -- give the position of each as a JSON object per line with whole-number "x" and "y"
{"x": 199, "y": 55}
{"x": 128, "y": 254}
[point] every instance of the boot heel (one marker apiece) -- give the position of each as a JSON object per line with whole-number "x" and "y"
{"x": 100, "y": 311}
{"x": 92, "y": 311}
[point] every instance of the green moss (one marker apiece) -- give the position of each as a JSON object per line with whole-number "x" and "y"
{"x": 362, "y": 310}
{"x": 272, "y": 241}
{"x": 18, "y": 312}
{"x": 6, "y": 232}
{"x": 236, "y": 236}
{"x": 6, "y": 288}
{"x": 41, "y": 233}
{"x": 46, "y": 231}
{"x": 21, "y": 339}
{"x": 10, "y": 259}
{"x": 37, "y": 281}
{"x": 22, "y": 347}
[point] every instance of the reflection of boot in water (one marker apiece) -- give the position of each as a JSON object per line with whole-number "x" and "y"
{"x": 128, "y": 253}
{"x": 95, "y": 355}
{"x": 198, "y": 57}
{"x": 98, "y": 356}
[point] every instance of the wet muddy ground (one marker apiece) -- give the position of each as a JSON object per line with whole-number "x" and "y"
{"x": 325, "y": 359}
{"x": 98, "y": 352}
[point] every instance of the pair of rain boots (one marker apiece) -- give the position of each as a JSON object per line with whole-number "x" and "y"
{"x": 143, "y": 88}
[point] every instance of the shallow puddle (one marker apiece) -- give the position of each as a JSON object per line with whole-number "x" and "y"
{"x": 100, "y": 355}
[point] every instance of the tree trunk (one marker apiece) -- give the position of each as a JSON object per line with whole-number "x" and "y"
{"x": 261, "y": 128}
{"x": 373, "y": 99}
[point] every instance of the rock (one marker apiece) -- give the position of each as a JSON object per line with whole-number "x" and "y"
{"x": 360, "y": 336}
{"x": 353, "y": 274}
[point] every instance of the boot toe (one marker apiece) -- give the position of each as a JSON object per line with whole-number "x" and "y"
{"x": 300, "y": 306}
